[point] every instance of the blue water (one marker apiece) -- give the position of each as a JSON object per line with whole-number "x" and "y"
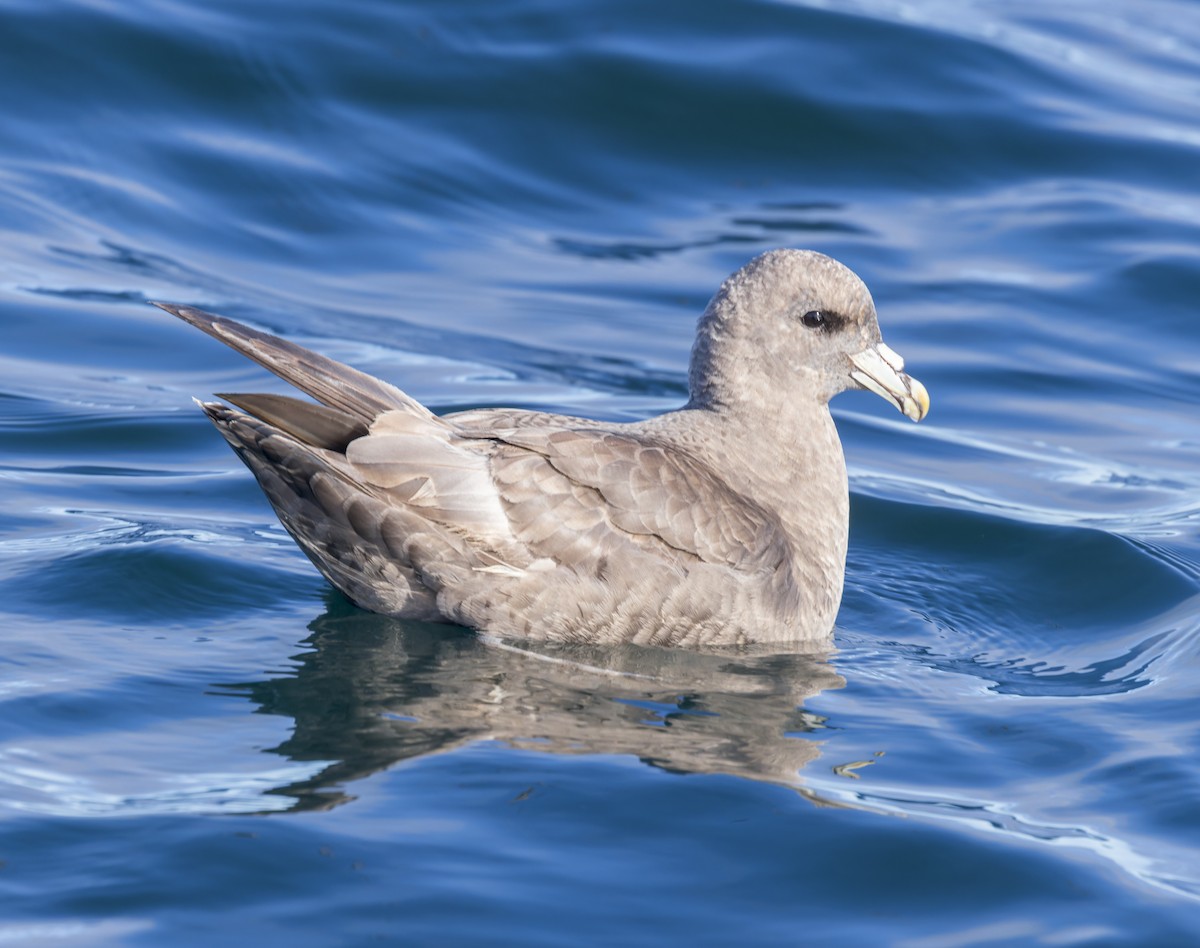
{"x": 528, "y": 204}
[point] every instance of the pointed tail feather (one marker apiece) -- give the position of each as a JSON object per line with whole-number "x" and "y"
{"x": 348, "y": 390}
{"x": 316, "y": 425}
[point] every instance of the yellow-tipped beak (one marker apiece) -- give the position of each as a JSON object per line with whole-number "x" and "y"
{"x": 879, "y": 370}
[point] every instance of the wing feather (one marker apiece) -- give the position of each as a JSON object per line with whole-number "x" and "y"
{"x": 361, "y": 396}
{"x": 632, "y": 486}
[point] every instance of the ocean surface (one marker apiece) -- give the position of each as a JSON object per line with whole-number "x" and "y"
{"x": 528, "y": 204}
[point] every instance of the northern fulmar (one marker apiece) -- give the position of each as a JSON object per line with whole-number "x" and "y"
{"x": 723, "y": 522}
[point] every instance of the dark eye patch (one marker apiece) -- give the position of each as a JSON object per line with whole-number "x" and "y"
{"x": 823, "y": 319}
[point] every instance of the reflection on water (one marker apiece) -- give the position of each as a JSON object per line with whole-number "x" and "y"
{"x": 375, "y": 691}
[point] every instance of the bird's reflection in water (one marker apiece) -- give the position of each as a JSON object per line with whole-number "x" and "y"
{"x": 374, "y": 691}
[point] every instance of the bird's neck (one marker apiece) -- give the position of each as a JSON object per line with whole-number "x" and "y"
{"x": 789, "y": 461}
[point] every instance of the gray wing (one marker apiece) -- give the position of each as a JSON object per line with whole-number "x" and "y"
{"x": 357, "y": 395}
{"x": 567, "y": 489}
{"x": 495, "y": 420}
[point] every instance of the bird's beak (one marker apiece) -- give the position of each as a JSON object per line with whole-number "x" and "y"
{"x": 878, "y": 369}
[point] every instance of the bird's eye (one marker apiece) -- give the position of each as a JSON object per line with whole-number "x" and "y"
{"x": 814, "y": 319}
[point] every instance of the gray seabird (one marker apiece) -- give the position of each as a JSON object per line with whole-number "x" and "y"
{"x": 721, "y": 523}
